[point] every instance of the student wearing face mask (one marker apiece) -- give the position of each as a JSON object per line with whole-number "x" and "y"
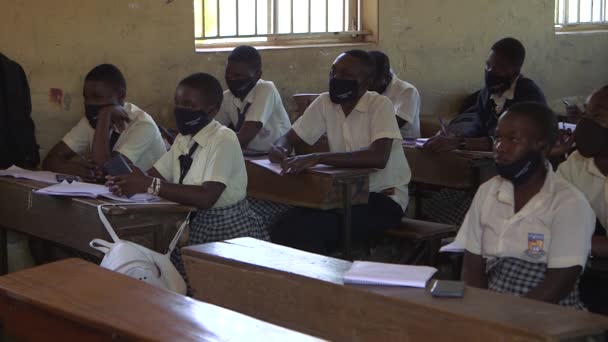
{"x": 252, "y": 106}
{"x": 110, "y": 126}
{"x": 204, "y": 168}
{"x": 586, "y": 169}
{"x": 504, "y": 87}
{"x": 403, "y": 95}
{"x": 528, "y": 231}
{"x": 362, "y": 133}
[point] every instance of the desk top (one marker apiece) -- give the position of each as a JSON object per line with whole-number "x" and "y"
{"x": 112, "y": 303}
{"x": 319, "y": 170}
{"x": 113, "y": 207}
{"x": 520, "y": 314}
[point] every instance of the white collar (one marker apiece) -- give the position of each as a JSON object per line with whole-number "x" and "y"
{"x": 508, "y": 94}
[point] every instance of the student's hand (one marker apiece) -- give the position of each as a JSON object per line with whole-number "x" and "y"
{"x": 441, "y": 143}
{"x": 81, "y": 168}
{"x": 129, "y": 184}
{"x": 277, "y": 154}
{"x": 573, "y": 112}
{"x": 118, "y": 117}
{"x": 295, "y": 165}
{"x": 563, "y": 144}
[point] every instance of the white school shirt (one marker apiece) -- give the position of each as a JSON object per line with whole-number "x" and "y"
{"x": 266, "y": 107}
{"x": 406, "y": 100}
{"x": 554, "y": 227}
{"x": 218, "y": 158}
{"x": 141, "y": 141}
{"x": 372, "y": 118}
{"x": 585, "y": 176}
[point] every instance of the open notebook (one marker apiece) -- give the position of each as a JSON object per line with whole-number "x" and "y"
{"x": 375, "y": 273}
{"x": 79, "y": 189}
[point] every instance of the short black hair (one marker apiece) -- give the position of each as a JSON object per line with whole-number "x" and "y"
{"x": 383, "y": 64}
{"x": 512, "y": 49}
{"x": 366, "y": 61}
{"x": 208, "y": 86}
{"x": 110, "y": 75}
{"x": 541, "y": 116}
{"x": 248, "y": 55}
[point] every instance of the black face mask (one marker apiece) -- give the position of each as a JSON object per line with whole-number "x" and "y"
{"x": 92, "y": 111}
{"x": 190, "y": 121}
{"x": 591, "y": 138}
{"x": 497, "y": 84}
{"x": 343, "y": 91}
{"x": 520, "y": 171}
{"x": 240, "y": 88}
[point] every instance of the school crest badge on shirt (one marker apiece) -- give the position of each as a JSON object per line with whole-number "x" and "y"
{"x": 535, "y": 245}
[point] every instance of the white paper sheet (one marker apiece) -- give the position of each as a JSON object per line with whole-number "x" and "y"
{"x": 375, "y": 273}
{"x": 41, "y": 176}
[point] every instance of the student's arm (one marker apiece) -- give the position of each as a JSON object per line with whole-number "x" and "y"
{"x": 375, "y": 156}
{"x": 108, "y": 117}
{"x": 61, "y": 159}
{"x": 138, "y": 139}
{"x": 599, "y": 246}
{"x": 558, "y": 283}
{"x": 201, "y": 196}
{"x": 474, "y": 270}
{"x": 407, "y": 106}
{"x": 248, "y": 132}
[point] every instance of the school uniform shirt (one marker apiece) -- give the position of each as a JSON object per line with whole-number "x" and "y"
{"x": 585, "y": 176}
{"x": 373, "y": 118}
{"x": 218, "y": 158}
{"x": 141, "y": 141}
{"x": 406, "y": 101}
{"x": 554, "y": 227}
{"x": 265, "y": 107}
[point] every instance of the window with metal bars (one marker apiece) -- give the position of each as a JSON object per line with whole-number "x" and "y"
{"x": 580, "y": 14}
{"x": 277, "y": 22}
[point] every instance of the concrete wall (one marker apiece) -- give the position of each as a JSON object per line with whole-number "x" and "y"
{"x": 439, "y": 45}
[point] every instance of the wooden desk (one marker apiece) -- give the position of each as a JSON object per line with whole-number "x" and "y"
{"x": 304, "y": 292}
{"x": 325, "y": 189}
{"x": 74, "y": 222}
{"x": 74, "y": 300}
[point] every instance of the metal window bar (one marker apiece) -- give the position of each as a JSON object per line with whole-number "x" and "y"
{"x": 273, "y": 19}
{"x": 563, "y": 15}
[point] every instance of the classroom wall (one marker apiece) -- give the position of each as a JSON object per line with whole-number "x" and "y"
{"x": 439, "y": 45}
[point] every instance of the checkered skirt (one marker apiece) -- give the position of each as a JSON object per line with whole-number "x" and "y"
{"x": 447, "y": 206}
{"x": 219, "y": 224}
{"x": 269, "y": 211}
{"x": 517, "y": 277}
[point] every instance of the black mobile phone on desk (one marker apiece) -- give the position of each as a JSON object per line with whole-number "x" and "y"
{"x": 69, "y": 178}
{"x": 447, "y": 288}
{"x": 117, "y": 166}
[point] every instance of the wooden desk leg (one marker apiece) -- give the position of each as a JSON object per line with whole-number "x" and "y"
{"x": 3, "y": 251}
{"x": 346, "y": 220}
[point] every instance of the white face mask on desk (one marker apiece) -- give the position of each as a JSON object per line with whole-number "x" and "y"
{"x": 139, "y": 262}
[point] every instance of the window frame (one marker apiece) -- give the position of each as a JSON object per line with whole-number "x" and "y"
{"x": 366, "y": 33}
{"x": 563, "y": 26}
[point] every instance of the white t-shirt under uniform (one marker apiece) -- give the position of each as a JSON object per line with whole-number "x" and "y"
{"x": 141, "y": 141}
{"x": 218, "y": 158}
{"x": 587, "y": 177}
{"x": 406, "y": 101}
{"x": 265, "y": 107}
{"x": 554, "y": 227}
{"x": 371, "y": 119}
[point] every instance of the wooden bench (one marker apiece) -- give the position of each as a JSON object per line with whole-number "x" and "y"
{"x": 305, "y": 292}
{"x": 425, "y": 237}
{"x": 73, "y": 300}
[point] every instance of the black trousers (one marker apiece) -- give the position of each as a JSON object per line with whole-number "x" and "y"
{"x": 319, "y": 231}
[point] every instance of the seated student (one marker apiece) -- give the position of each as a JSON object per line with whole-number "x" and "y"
{"x": 110, "y": 126}
{"x": 504, "y": 87}
{"x": 251, "y": 105}
{"x": 587, "y": 169}
{"x": 473, "y": 130}
{"x": 362, "y": 133}
{"x": 404, "y": 95}
{"x": 204, "y": 168}
{"x": 528, "y": 232}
